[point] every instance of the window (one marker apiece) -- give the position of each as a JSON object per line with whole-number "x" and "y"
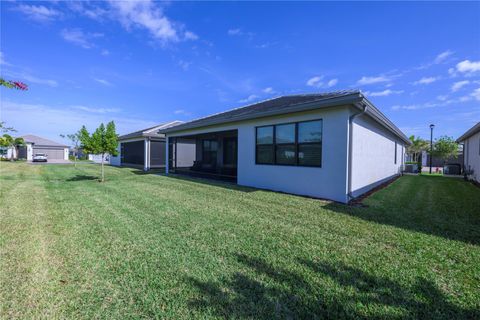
{"x": 395, "y": 155}
{"x": 264, "y": 152}
{"x": 310, "y": 143}
{"x": 209, "y": 152}
{"x": 285, "y": 144}
{"x": 290, "y": 144}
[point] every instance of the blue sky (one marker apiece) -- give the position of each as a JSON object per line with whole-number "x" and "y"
{"x": 143, "y": 63}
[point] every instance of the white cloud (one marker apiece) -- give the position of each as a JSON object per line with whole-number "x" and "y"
{"x": 332, "y": 82}
{"x": 103, "y": 81}
{"x": 96, "y": 110}
{"x": 2, "y": 60}
{"x": 105, "y": 52}
{"x": 65, "y": 119}
{"x": 38, "y": 13}
{"x": 79, "y": 38}
{"x": 190, "y": 35}
{"x": 371, "y": 80}
{"x": 315, "y": 81}
{"x": 235, "y": 32}
{"x": 148, "y": 15}
{"x": 468, "y": 66}
{"x": 458, "y": 85}
{"x": 250, "y": 98}
{"x": 383, "y": 93}
{"x": 442, "y": 97}
{"x": 442, "y": 56}
{"x": 476, "y": 94}
{"x": 268, "y": 90}
{"x": 184, "y": 65}
{"x": 318, "y": 82}
{"x": 182, "y": 112}
{"x": 425, "y": 80}
{"x": 442, "y": 103}
{"x": 32, "y": 79}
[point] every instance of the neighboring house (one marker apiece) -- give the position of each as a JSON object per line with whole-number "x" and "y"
{"x": 438, "y": 162}
{"x": 471, "y": 152}
{"x": 335, "y": 145}
{"x": 97, "y": 158}
{"x": 35, "y": 144}
{"x": 142, "y": 149}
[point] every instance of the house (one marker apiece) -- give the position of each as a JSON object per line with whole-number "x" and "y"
{"x": 471, "y": 152}
{"x": 142, "y": 149}
{"x": 35, "y": 144}
{"x": 334, "y": 145}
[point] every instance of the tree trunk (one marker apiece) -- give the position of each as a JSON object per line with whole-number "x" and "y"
{"x": 103, "y": 175}
{"x": 74, "y": 159}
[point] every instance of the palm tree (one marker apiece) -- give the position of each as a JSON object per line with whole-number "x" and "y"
{"x": 418, "y": 145}
{"x": 11, "y": 142}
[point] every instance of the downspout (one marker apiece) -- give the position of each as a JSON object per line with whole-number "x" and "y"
{"x": 350, "y": 149}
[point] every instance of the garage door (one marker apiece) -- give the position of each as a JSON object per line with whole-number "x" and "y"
{"x": 52, "y": 154}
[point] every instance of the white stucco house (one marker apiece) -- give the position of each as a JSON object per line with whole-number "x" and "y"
{"x": 143, "y": 149}
{"x": 334, "y": 146}
{"x": 471, "y": 152}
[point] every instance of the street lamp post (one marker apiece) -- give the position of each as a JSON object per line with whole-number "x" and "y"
{"x": 431, "y": 146}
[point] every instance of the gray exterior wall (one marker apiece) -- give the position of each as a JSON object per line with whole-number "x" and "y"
{"x": 328, "y": 182}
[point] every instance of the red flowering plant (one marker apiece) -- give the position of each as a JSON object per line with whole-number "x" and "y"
{"x": 13, "y": 84}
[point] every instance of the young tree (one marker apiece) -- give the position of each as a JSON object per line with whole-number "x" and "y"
{"x": 13, "y": 143}
{"x": 445, "y": 147}
{"x": 103, "y": 141}
{"x": 75, "y": 140}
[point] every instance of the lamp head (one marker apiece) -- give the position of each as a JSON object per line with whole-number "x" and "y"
{"x": 432, "y": 126}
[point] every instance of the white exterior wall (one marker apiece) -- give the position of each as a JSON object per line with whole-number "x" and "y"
{"x": 29, "y": 151}
{"x": 115, "y": 160}
{"x": 65, "y": 154}
{"x": 373, "y": 153}
{"x": 328, "y": 182}
{"x": 472, "y": 155}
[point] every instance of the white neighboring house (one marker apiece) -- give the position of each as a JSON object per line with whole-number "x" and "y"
{"x": 142, "y": 149}
{"x": 334, "y": 146}
{"x": 35, "y": 144}
{"x": 97, "y": 158}
{"x": 471, "y": 152}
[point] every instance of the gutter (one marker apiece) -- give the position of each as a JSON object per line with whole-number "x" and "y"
{"x": 350, "y": 148}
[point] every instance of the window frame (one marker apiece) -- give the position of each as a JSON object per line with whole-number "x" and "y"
{"x": 296, "y": 145}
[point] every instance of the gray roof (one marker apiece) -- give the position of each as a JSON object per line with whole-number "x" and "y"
{"x": 473, "y": 130}
{"x": 39, "y": 141}
{"x": 290, "y": 104}
{"x": 150, "y": 132}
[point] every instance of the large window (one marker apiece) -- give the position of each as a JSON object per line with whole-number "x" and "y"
{"x": 290, "y": 144}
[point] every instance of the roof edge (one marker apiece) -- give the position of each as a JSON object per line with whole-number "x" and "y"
{"x": 303, "y": 106}
{"x": 470, "y": 132}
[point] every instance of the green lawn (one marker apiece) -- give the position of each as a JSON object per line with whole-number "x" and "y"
{"x": 150, "y": 246}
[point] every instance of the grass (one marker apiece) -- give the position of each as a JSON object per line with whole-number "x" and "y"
{"x": 150, "y": 246}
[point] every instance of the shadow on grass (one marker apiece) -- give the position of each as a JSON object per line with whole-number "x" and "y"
{"x": 212, "y": 182}
{"x": 336, "y": 291}
{"x": 82, "y": 177}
